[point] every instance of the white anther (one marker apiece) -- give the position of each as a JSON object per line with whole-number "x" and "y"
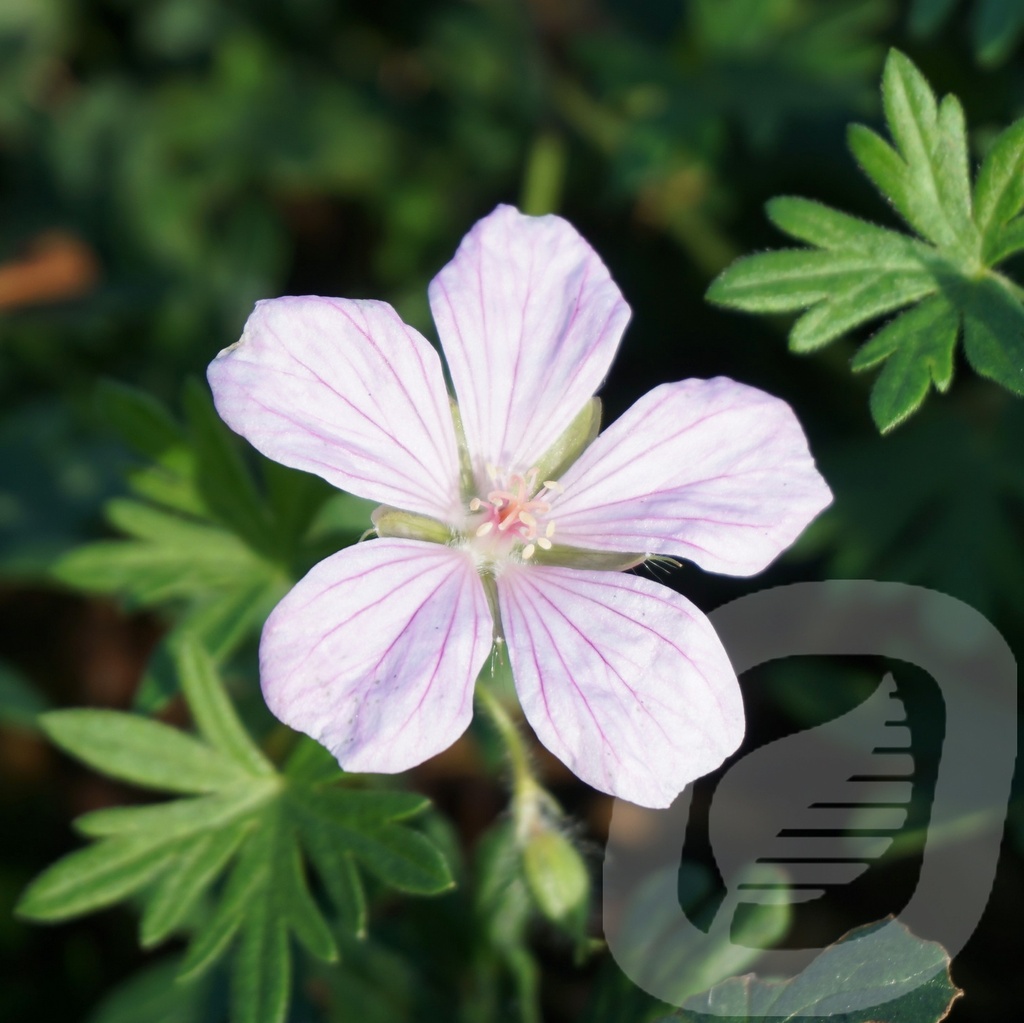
{"x": 527, "y": 519}
{"x": 555, "y": 486}
{"x": 550, "y": 531}
{"x": 476, "y": 504}
{"x": 544, "y": 543}
{"x": 528, "y": 551}
{"x": 485, "y": 528}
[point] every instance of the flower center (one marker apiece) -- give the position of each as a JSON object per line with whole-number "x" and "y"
{"x": 516, "y": 510}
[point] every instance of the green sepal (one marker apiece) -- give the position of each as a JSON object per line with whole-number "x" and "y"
{"x": 563, "y": 556}
{"x": 409, "y": 526}
{"x": 467, "y": 479}
{"x": 575, "y": 439}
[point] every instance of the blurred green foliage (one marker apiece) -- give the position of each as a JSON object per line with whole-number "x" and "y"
{"x": 164, "y": 163}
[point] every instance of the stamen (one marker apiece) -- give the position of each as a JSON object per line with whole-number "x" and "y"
{"x": 515, "y": 508}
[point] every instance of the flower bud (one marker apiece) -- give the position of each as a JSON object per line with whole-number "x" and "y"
{"x": 558, "y": 880}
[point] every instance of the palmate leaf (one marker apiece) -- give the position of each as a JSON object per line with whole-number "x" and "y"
{"x": 202, "y": 540}
{"x": 240, "y": 845}
{"x": 856, "y": 272}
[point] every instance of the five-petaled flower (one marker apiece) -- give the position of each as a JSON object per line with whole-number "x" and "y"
{"x": 505, "y": 516}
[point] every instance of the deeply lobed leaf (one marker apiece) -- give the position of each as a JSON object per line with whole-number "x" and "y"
{"x": 244, "y": 820}
{"x": 856, "y": 272}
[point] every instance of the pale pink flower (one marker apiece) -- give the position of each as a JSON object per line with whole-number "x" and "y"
{"x": 376, "y": 651}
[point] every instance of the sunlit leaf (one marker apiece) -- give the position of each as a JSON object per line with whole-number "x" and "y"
{"x": 858, "y": 272}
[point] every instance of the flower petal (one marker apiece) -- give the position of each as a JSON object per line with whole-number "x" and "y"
{"x": 621, "y": 678}
{"x": 529, "y": 320}
{"x": 710, "y": 470}
{"x": 375, "y": 652}
{"x": 346, "y": 390}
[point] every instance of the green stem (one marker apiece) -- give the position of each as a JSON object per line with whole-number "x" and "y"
{"x": 529, "y": 797}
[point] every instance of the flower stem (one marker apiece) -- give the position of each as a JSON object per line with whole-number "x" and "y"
{"x": 529, "y": 798}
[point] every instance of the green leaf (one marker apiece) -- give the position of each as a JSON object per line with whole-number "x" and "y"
{"x": 212, "y": 711}
{"x": 911, "y": 113}
{"x": 221, "y": 622}
{"x": 181, "y": 817}
{"x": 795, "y": 279}
{"x": 903, "y": 978}
{"x": 918, "y": 347}
{"x": 999, "y": 191}
{"x": 264, "y": 830}
{"x": 203, "y": 543}
{"x": 337, "y": 870}
{"x": 246, "y": 884}
{"x": 874, "y": 297}
{"x": 262, "y": 969}
{"x": 304, "y": 915}
{"x": 152, "y": 573}
{"x": 820, "y": 225}
{"x": 139, "y": 419}
{"x": 140, "y": 751}
{"x": 95, "y": 877}
{"x": 855, "y": 272}
{"x": 994, "y": 332}
{"x": 222, "y": 476}
{"x": 294, "y": 501}
{"x": 187, "y": 879}
{"x": 400, "y": 857}
{"x": 884, "y": 166}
